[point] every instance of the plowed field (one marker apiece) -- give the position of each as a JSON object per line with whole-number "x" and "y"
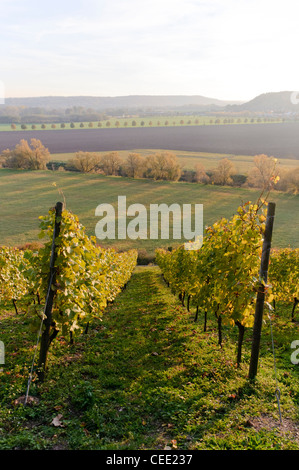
{"x": 280, "y": 140}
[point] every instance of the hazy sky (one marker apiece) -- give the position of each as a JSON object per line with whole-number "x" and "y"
{"x": 226, "y": 49}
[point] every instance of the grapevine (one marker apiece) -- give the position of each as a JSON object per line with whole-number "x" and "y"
{"x": 284, "y": 276}
{"x": 14, "y": 284}
{"x": 223, "y": 274}
{"x": 87, "y": 277}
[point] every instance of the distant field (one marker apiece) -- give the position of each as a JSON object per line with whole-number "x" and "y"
{"x": 280, "y": 140}
{"x": 26, "y": 195}
{"x": 136, "y": 121}
{"x": 188, "y": 160}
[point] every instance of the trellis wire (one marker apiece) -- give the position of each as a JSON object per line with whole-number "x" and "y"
{"x": 277, "y": 390}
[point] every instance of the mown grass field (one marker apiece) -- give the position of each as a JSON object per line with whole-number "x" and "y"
{"x": 149, "y": 377}
{"x": 27, "y": 195}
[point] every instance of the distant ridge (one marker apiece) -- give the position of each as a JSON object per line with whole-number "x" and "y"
{"x": 272, "y": 102}
{"x": 131, "y": 101}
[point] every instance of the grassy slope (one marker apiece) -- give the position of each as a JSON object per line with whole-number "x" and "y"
{"x": 27, "y": 195}
{"x": 149, "y": 377}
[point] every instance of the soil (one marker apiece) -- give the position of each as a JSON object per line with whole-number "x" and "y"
{"x": 277, "y": 139}
{"x": 267, "y": 422}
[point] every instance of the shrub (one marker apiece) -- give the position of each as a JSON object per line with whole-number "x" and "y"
{"x": 110, "y": 163}
{"x": 222, "y": 175}
{"x": 86, "y": 162}
{"x": 163, "y": 166}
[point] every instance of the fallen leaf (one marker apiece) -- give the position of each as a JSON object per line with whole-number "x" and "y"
{"x": 174, "y": 444}
{"x": 232, "y": 396}
{"x": 57, "y": 421}
{"x": 30, "y": 400}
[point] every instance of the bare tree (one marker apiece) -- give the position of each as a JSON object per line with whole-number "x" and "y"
{"x": 25, "y": 156}
{"x": 134, "y": 165}
{"x": 86, "y": 162}
{"x": 222, "y": 175}
{"x": 110, "y": 163}
{"x": 200, "y": 174}
{"x": 163, "y": 166}
{"x": 264, "y": 172}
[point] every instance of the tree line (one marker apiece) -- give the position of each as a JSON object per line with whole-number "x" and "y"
{"x": 96, "y": 120}
{"x": 265, "y": 172}
{"x": 43, "y": 115}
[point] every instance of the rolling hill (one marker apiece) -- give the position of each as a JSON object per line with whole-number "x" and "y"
{"x": 274, "y": 102}
{"x": 130, "y": 102}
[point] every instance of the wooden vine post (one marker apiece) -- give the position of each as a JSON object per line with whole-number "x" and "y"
{"x": 46, "y": 338}
{"x": 259, "y": 309}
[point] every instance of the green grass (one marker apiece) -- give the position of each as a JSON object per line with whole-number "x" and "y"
{"x": 27, "y": 195}
{"x": 147, "y": 377}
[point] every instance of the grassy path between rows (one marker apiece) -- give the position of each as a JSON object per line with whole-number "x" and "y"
{"x": 146, "y": 377}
